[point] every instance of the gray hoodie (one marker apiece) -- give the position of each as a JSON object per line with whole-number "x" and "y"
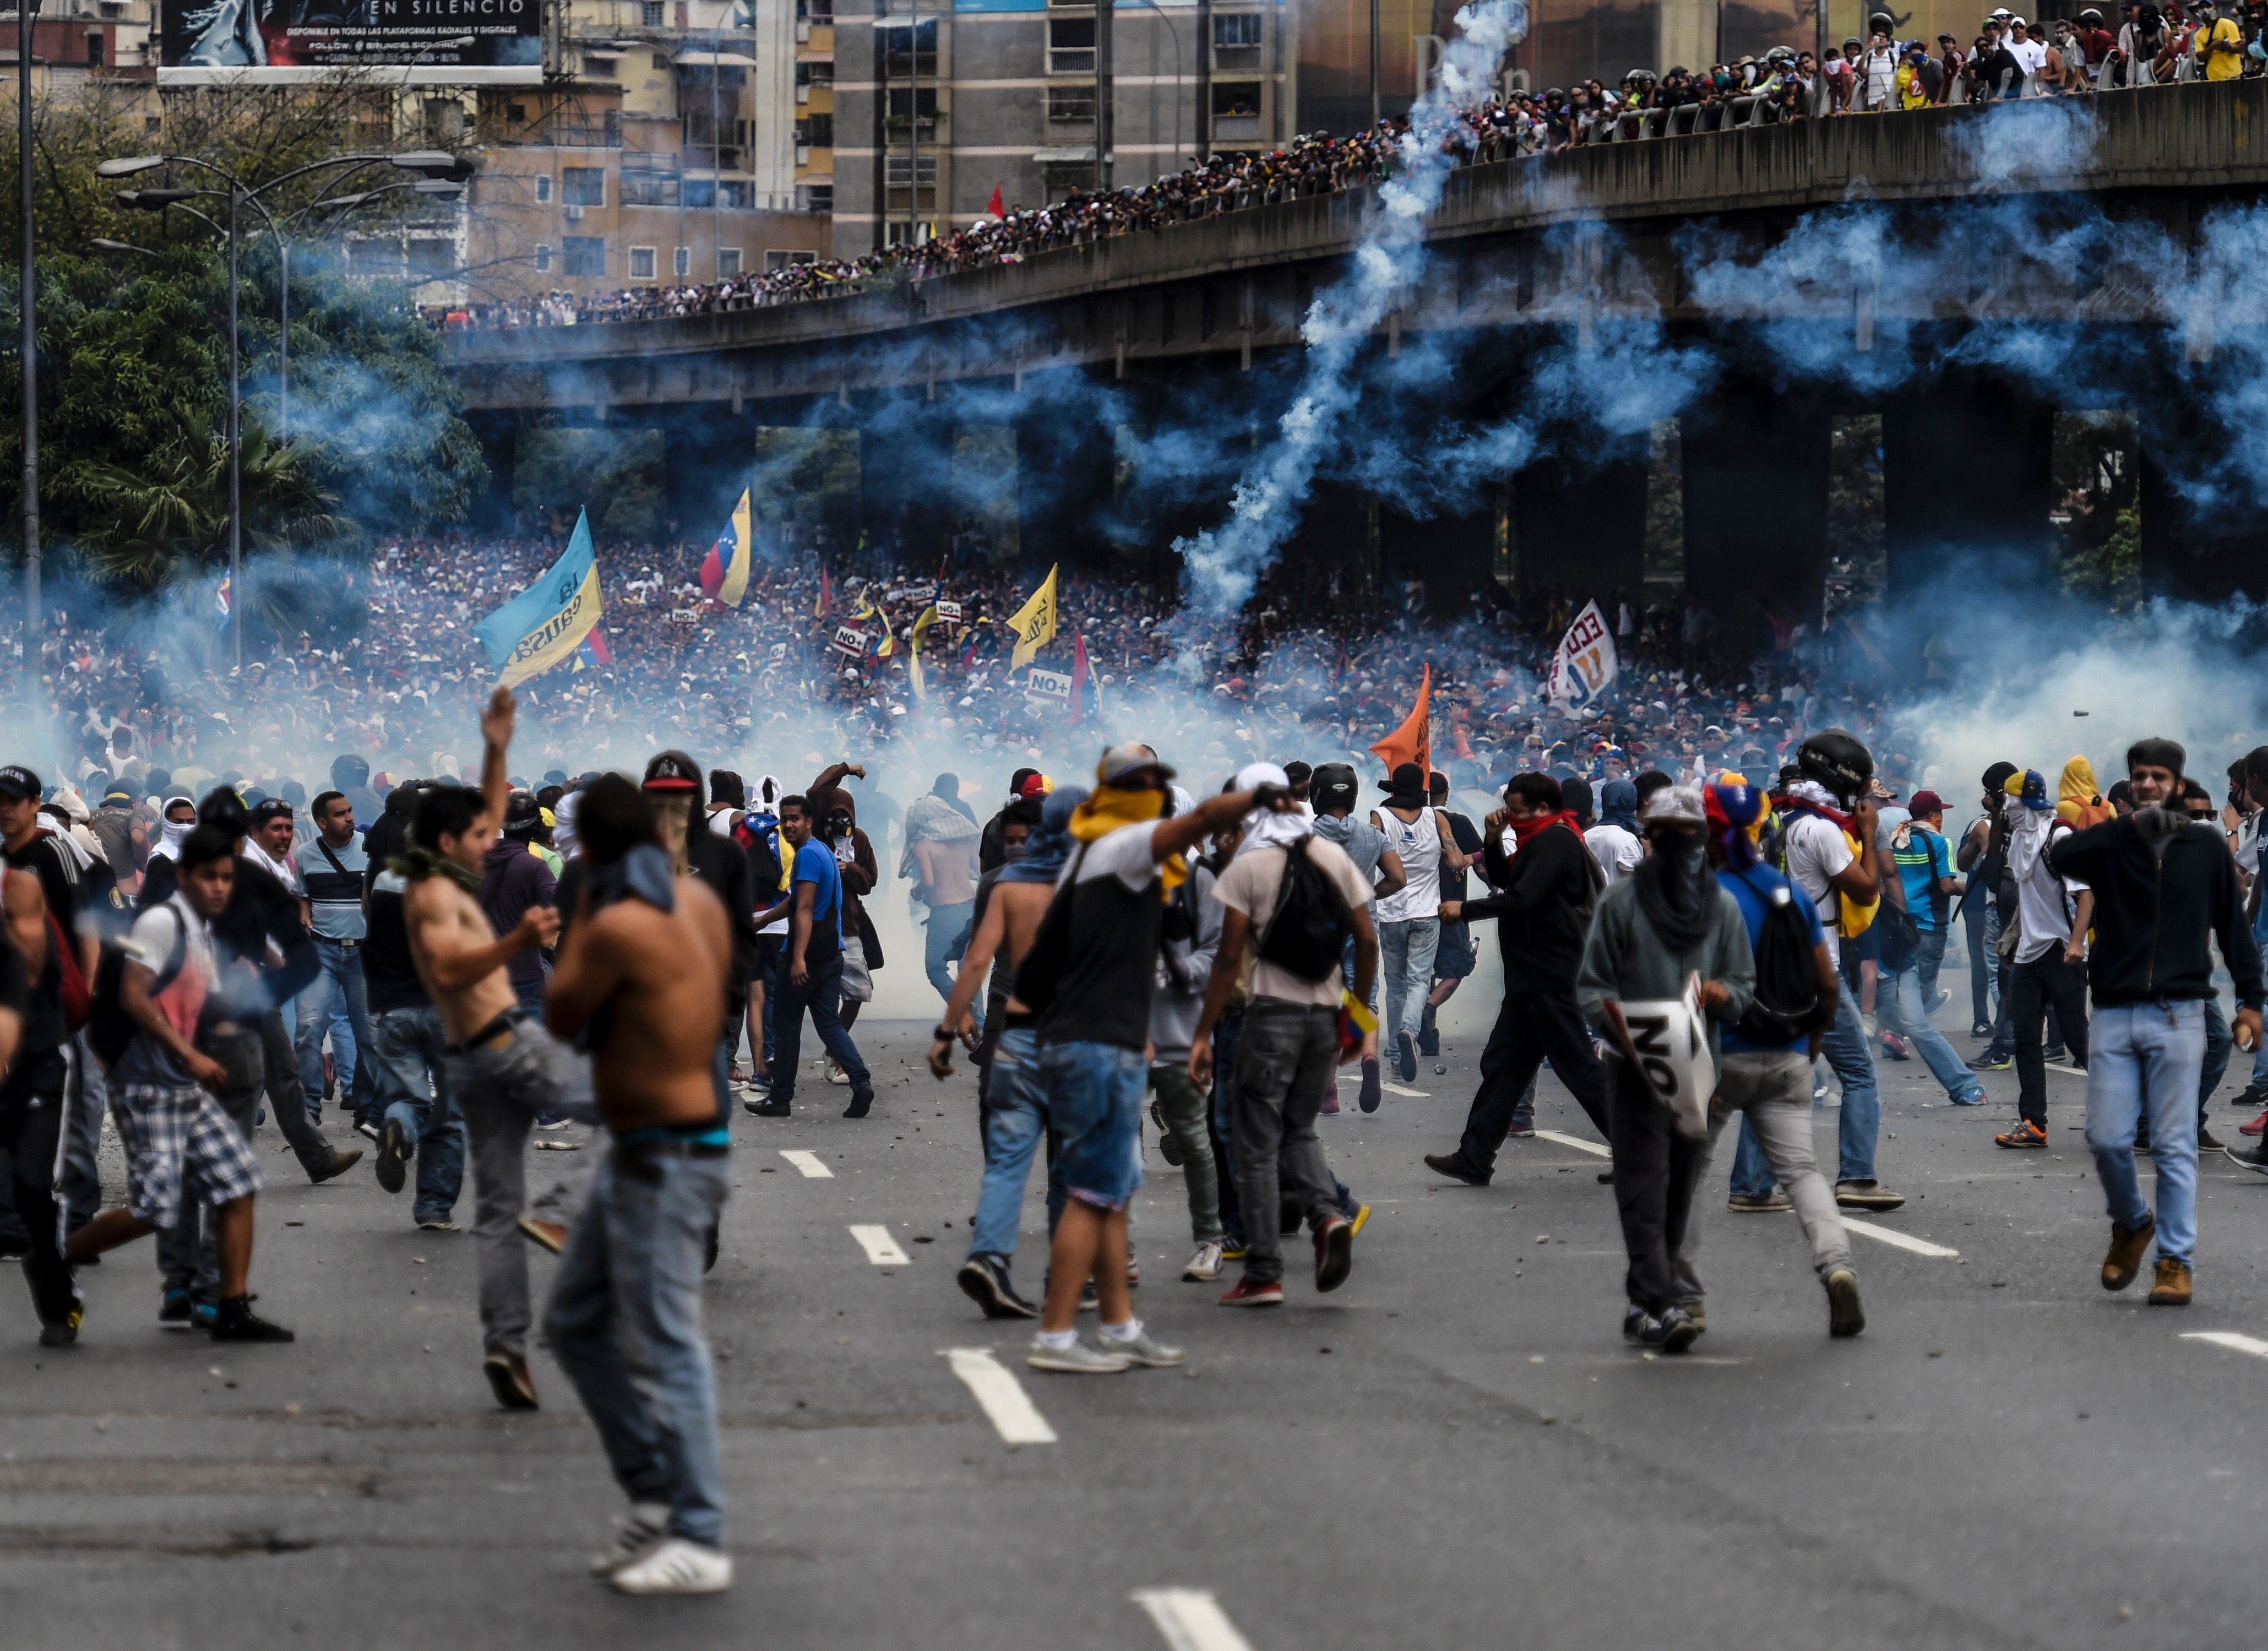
{"x": 1173, "y": 1010}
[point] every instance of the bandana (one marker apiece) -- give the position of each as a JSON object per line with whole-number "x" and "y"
{"x": 1048, "y": 850}
{"x": 1810, "y": 796}
{"x": 1111, "y": 808}
{"x": 418, "y": 864}
{"x": 1618, "y": 805}
{"x": 643, "y": 872}
{"x": 1524, "y": 831}
{"x": 170, "y": 848}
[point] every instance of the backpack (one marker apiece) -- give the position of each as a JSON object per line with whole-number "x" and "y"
{"x": 1786, "y": 1005}
{"x": 109, "y": 1028}
{"x": 1306, "y": 934}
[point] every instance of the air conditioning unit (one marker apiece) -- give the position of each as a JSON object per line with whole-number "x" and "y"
{"x": 574, "y": 214}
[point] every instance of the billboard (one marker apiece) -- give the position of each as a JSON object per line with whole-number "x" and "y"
{"x": 462, "y": 41}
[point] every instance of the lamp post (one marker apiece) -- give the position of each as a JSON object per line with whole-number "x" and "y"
{"x": 435, "y": 165}
{"x": 27, "y": 306}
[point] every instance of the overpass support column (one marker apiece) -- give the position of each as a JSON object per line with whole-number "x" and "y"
{"x": 1066, "y": 477}
{"x": 1452, "y": 555}
{"x": 2191, "y": 551}
{"x": 906, "y": 500}
{"x": 1968, "y": 481}
{"x": 1328, "y": 565}
{"x": 1578, "y": 528}
{"x": 1756, "y": 463}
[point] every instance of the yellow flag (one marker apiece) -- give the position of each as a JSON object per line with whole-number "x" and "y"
{"x": 736, "y": 575}
{"x": 914, "y": 669}
{"x": 1035, "y": 622}
{"x": 921, "y": 626}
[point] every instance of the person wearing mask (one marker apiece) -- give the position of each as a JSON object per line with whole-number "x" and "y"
{"x": 1182, "y": 1109}
{"x": 1908, "y": 991}
{"x": 941, "y": 856}
{"x": 2217, "y": 44}
{"x": 1614, "y": 841}
{"x": 1409, "y": 926}
{"x": 332, "y": 869}
{"x": 837, "y": 812}
{"x": 1982, "y": 860}
{"x": 2053, "y": 914}
{"x": 416, "y": 1115}
{"x": 351, "y": 778}
{"x": 811, "y": 970}
{"x": 769, "y": 858}
{"x": 1666, "y": 924}
{"x": 1292, "y": 938}
{"x": 991, "y": 848}
{"x": 1334, "y": 791}
{"x": 1545, "y": 894}
{"x": 1453, "y": 956}
{"x": 1089, "y": 976}
{"x": 2162, "y": 888}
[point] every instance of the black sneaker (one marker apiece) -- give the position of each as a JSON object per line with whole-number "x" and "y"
{"x": 2252, "y": 1158}
{"x": 862, "y": 1101}
{"x": 235, "y": 1321}
{"x": 1989, "y": 1061}
{"x": 2252, "y": 1096}
{"x": 1405, "y": 1057}
{"x": 1169, "y": 1148}
{"x": 173, "y": 1307}
{"x": 1673, "y": 1332}
{"x": 765, "y": 1109}
{"x": 983, "y": 1280}
{"x": 1447, "y": 1164}
{"x": 61, "y": 1332}
{"x": 392, "y": 1159}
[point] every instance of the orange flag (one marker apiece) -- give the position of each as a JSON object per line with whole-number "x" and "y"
{"x": 1413, "y": 741}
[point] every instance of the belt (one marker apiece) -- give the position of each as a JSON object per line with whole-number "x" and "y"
{"x": 499, "y": 1027}
{"x": 675, "y": 1149}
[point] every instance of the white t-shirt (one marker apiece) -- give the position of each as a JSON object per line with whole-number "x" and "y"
{"x": 1816, "y": 854}
{"x": 1124, "y": 854}
{"x": 1250, "y": 885}
{"x": 1617, "y": 851}
{"x": 2033, "y": 56}
{"x": 2045, "y": 908}
{"x": 1418, "y": 844}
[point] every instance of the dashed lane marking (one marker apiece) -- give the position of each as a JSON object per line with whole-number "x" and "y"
{"x": 880, "y": 1248}
{"x": 2230, "y": 1339}
{"x": 808, "y": 1164}
{"x": 1396, "y": 1088}
{"x": 1575, "y": 1141}
{"x": 1010, "y": 1408}
{"x": 1190, "y": 1619}
{"x": 1895, "y": 1239}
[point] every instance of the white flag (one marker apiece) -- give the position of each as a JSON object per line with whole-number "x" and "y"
{"x": 1585, "y": 667}
{"x": 1670, "y": 1037}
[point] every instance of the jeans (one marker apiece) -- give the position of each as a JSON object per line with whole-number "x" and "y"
{"x": 501, "y": 1087}
{"x": 2148, "y": 1055}
{"x": 1530, "y": 1026}
{"x": 1902, "y": 1003}
{"x": 1655, "y": 1169}
{"x": 1772, "y": 1093}
{"x": 1405, "y": 949}
{"x": 947, "y": 925}
{"x": 1015, "y": 1122}
{"x": 86, "y": 1098}
{"x": 2047, "y": 980}
{"x": 771, "y": 948}
{"x": 1283, "y": 1061}
{"x": 1092, "y": 1093}
{"x": 412, "y": 1082}
{"x": 337, "y": 1002}
{"x": 1982, "y": 927}
{"x": 1844, "y": 1046}
{"x": 1184, "y": 1106}
{"x": 1227, "y": 1038}
{"x": 32, "y": 1133}
{"x": 820, "y": 994}
{"x": 624, "y": 1322}
{"x": 1929, "y": 960}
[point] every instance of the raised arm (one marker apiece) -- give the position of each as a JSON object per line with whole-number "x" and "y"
{"x": 496, "y": 778}
{"x": 1176, "y": 836}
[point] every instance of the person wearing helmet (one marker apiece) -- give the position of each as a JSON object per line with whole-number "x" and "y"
{"x": 1830, "y": 841}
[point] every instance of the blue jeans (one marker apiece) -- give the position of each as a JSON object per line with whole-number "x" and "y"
{"x": 1405, "y": 962}
{"x": 947, "y": 925}
{"x": 2148, "y": 1055}
{"x": 1853, "y": 1064}
{"x": 1092, "y": 1093}
{"x": 1900, "y": 1007}
{"x": 1015, "y": 1122}
{"x": 413, "y": 1088}
{"x": 1928, "y": 961}
{"x": 822, "y": 994}
{"x": 624, "y": 1321}
{"x": 337, "y": 1002}
{"x": 1227, "y": 1036}
{"x": 1983, "y": 929}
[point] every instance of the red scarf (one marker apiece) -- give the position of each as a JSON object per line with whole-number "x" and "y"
{"x": 1522, "y": 830}
{"x": 1807, "y": 806}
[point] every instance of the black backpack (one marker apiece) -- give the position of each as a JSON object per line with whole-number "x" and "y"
{"x": 1787, "y": 1006}
{"x": 1307, "y": 933}
{"x": 109, "y": 1028}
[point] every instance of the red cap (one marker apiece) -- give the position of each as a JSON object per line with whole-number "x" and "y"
{"x": 1924, "y": 802}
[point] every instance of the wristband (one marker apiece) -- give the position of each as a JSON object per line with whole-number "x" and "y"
{"x": 943, "y": 1034}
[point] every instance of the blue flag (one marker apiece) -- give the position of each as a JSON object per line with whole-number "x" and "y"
{"x": 546, "y": 622}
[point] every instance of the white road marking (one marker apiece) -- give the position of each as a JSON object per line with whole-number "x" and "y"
{"x": 2076, "y": 1071}
{"x": 1190, "y": 1619}
{"x": 1575, "y": 1141}
{"x": 1396, "y": 1088}
{"x": 1895, "y": 1239}
{"x": 2230, "y": 1339}
{"x": 809, "y": 1164}
{"x": 1012, "y": 1414}
{"x": 880, "y": 1248}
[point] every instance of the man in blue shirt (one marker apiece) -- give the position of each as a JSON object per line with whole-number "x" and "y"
{"x": 1906, "y": 996}
{"x": 811, "y": 972}
{"x": 332, "y": 867}
{"x": 1767, "y": 1078}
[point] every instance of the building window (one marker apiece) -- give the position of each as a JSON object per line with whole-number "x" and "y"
{"x": 584, "y": 254}
{"x": 900, "y": 170}
{"x": 1060, "y": 178}
{"x": 94, "y": 51}
{"x": 776, "y": 260}
{"x": 684, "y": 262}
{"x": 445, "y": 123}
{"x": 728, "y": 262}
{"x": 650, "y": 179}
{"x": 641, "y": 263}
{"x": 1236, "y": 41}
{"x": 583, "y": 185}
{"x": 1071, "y": 103}
{"x": 544, "y": 257}
{"x": 1235, "y": 109}
{"x": 814, "y": 197}
{"x": 516, "y": 113}
{"x": 543, "y": 188}
{"x": 653, "y": 13}
{"x": 1070, "y": 45}
{"x": 904, "y": 104}
{"x": 902, "y": 42}
{"x": 815, "y": 131}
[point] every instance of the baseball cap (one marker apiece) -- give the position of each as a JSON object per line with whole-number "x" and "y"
{"x": 1997, "y": 776}
{"x": 1924, "y": 802}
{"x": 1122, "y": 760}
{"x": 1033, "y": 783}
{"x": 1681, "y": 804}
{"x": 2030, "y": 788}
{"x": 672, "y": 771}
{"x": 20, "y": 782}
{"x": 1253, "y": 776}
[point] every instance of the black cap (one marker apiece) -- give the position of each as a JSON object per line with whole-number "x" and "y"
{"x": 672, "y": 771}
{"x": 20, "y": 782}
{"x": 1997, "y": 776}
{"x": 523, "y": 815}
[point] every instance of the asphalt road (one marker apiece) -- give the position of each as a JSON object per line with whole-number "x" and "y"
{"x": 1456, "y": 1447}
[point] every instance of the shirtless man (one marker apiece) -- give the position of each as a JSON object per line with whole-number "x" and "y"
{"x": 1014, "y": 900}
{"x": 503, "y": 1066}
{"x": 641, "y": 972}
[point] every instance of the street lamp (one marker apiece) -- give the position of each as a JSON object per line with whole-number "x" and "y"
{"x": 26, "y": 304}
{"x": 436, "y": 166}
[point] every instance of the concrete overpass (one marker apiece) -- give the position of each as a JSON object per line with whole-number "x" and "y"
{"x": 1523, "y": 251}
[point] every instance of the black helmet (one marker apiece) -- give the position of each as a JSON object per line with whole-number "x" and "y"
{"x": 1837, "y": 760}
{"x": 523, "y": 816}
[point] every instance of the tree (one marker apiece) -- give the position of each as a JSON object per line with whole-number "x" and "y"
{"x": 616, "y": 473}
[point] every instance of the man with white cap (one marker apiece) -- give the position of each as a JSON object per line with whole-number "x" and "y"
{"x": 1291, "y": 898}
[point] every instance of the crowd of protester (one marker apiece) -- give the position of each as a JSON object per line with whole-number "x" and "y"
{"x": 2009, "y": 56}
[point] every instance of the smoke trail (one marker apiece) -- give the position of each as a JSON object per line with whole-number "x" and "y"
{"x": 1221, "y": 566}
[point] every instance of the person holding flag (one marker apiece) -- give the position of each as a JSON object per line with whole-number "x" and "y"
{"x": 724, "y": 571}
{"x": 549, "y": 621}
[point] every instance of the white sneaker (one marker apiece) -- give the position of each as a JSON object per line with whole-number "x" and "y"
{"x": 1081, "y": 1358}
{"x": 836, "y": 1075}
{"x": 677, "y": 1566}
{"x": 1204, "y": 1266}
{"x": 646, "y": 1529}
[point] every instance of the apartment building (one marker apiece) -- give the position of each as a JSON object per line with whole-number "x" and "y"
{"x": 73, "y": 39}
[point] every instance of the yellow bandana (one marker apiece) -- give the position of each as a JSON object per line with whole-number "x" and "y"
{"x": 1110, "y": 809}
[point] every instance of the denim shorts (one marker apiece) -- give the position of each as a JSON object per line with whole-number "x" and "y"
{"x": 1095, "y": 1095}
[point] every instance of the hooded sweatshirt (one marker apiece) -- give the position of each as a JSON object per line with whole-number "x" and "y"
{"x": 2078, "y": 799}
